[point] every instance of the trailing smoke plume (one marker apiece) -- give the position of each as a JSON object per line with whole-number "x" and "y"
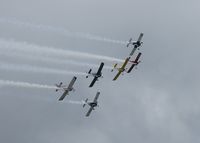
{"x": 25, "y": 48}
{"x": 36, "y": 69}
{"x": 61, "y": 31}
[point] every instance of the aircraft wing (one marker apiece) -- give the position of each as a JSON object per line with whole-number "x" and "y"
{"x": 137, "y": 58}
{"x": 89, "y": 112}
{"x": 118, "y": 74}
{"x": 92, "y": 83}
{"x": 130, "y": 69}
{"x": 100, "y": 68}
{"x": 134, "y": 62}
{"x": 133, "y": 51}
{"x": 125, "y": 63}
{"x": 72, "y": 82}
{"x": 140, "y": 37}
{"x": 96, "y": 97}
{"x": 63, "y": 96}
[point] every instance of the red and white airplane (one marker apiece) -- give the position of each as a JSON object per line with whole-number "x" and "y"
{"x": 135, "y": 62}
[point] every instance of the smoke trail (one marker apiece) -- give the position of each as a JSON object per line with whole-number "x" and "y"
{"x": 60, "y": 31}
{"x": 47, "y": 59}
{"x": 25, "y": 84}
{"x": 49, "y": 51}
{"x": 36, "y": 69}
{"x": 34, "y": 85}
{"x": 74, "y": 102}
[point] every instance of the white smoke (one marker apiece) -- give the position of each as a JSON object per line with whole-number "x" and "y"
{"x": 74, "y": 102}
{"x": 56, "y": 61}
{"x": 34, "y": 85}
{"x": 26, "y": 48}
{"x": 25, "y": 84}
{"x": 36, "y": 69}
{"x": 61, "y": 31}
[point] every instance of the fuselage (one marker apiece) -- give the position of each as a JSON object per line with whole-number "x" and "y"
{"x": 97, "y": 75}
{"x": 121, "y": 69}
{"x": 64, "y": 88}
{"x": 137, "y": 44}
{"x": 93, "y": 104}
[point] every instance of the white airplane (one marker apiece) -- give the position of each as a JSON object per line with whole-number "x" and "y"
{"x": 136, "y": 44}
{"x": 65, "y": 88}
{"x": 92, "y": 104}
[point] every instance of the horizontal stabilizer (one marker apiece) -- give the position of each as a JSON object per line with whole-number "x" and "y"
{"x": 89, "y": 72}
{"x": 129, "y": 42}
{"x": 86, "y": 100}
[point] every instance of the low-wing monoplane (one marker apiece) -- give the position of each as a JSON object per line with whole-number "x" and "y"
{"x": 136, "y": 44}
{"x": 95, "y": 75}
{"x": 120, "y": 69}
{"x": 66, "y": 88}
{"x": 135, "y": 62}
{"x": 92, "y": 104}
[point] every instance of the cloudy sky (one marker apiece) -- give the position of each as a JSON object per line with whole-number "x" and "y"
{"x": 45, "y": 42}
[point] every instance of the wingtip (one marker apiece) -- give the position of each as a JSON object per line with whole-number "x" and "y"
{"x": 90, "y": 85}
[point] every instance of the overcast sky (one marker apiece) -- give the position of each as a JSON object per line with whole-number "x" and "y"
{"x": 158, "y": 102}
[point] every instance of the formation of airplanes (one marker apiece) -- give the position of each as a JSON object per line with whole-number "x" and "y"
{"x": 96, "y": 75}
{"x": 134, "y": 63}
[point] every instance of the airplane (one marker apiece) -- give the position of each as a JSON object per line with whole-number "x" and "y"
{"x": 135, "y": 62}
{"x": 92, "y": 104}
{"x": 65, "y": 88}
{"x": 121, "y": 69}
{"x": 95, "y": 75}
{"x": 136, "y": 44}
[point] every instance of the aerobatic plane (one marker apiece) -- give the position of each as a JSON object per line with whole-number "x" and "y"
{"x": 95, "y": 75}
{"x": 135, "y": 62}
{"x": 65, "y": 88}
{"x": 136, "y": 44}
{"x": 92, "y": 104}
{"x": 121, "y": 69}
